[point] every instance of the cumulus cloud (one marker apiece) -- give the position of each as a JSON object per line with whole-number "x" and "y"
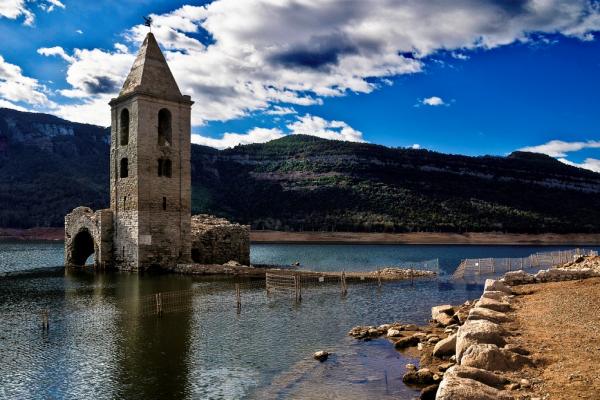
{"x": 255, "y": 135}
{"x": 55, "y": 51}
{"x": 16, "y": 87}
{"x": 593, "y": 164}
{"x": 8, "y": 104}
{"x": 559, "y": 148}
{"x": 415, "y": 146}
{"x": 260, "y": 53}
{"x": 13, "y": 9}
{"x": 305, "y": 125}
{"x": 433, "y": 101}
{"x": 320, "y": 127}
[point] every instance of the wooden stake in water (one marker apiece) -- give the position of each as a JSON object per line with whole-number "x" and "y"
{"x": 158, "y": 301}
{"x": 378, "y": 278}
{"x": 238, "y": 297}
{"x": 45, "y": 320}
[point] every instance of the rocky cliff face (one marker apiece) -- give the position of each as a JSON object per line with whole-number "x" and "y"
{"x": 48, "y": 166}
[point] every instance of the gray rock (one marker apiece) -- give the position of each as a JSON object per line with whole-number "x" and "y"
{"x": 393, "y": 332}
{"x": 456, "y": 388}
{"x": 421, "y": 377}
{"x": 493, "y": 304}
{"x": 492, "y": 358}
{"x": 405, "y": 342}
{"x": 444, "y": 319}
{"x": 518, "y": 278}
{"x": 492, "y": 284}
{"x": 445, "y": 347}
{"x": 477, "y": 374}
{"x": 478, "y": 313}
{"x": 321, "y": 355}
{"x": 474, "y": 332}
{"x": 495, "y": 295}
{"x": 446, "y": 309}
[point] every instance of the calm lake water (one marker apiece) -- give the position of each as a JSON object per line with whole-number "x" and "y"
{"x": 101, "y": 344}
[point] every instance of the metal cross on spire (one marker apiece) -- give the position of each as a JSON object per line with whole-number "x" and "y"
{"x": 148, "y": 22}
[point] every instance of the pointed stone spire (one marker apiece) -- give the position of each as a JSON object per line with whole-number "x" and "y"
{"x": 150, "y": 73}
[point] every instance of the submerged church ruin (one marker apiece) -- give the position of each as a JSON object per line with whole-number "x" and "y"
{"x": 149, "y": 222}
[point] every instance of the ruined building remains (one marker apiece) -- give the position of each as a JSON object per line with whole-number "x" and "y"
{"x": 149, "y": 223}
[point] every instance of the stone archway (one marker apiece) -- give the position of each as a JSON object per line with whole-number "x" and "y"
{"x": 86, "y": 233}
{"x": 82, "y": 247}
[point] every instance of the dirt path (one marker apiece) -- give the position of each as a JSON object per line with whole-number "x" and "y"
{"x": 559, "y": 323}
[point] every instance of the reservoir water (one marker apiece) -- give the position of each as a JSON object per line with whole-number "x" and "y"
{"x": 99, "y": 343}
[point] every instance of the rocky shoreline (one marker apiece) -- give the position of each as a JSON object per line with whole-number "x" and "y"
{"x": 473, "y": 351}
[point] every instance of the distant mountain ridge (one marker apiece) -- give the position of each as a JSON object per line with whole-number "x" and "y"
{"x": 49, "y": 165}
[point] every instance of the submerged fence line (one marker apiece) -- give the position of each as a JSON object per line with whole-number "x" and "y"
{"x": 488, "y": 266}
{"x": 207, "y": 297}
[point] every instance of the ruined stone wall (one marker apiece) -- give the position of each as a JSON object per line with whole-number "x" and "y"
{"x": 99, "y": 225}
{"x": 217, "y": 241}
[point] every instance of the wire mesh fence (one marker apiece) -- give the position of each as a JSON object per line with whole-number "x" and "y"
{"x": 473, "y": 267}
{"x": 219, "y": 296}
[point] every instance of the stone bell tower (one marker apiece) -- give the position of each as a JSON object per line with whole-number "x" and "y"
{"x": 150, "y": 180}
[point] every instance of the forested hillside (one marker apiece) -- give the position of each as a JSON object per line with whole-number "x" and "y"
{"x": 49, "y": 165}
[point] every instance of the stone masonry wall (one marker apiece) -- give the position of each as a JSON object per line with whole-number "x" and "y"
{"x": 217, "y": 241}
{"x": 98, "y": 225}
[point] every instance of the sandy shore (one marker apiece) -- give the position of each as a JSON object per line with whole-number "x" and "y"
{"x": 574, "y": 239}
{"x": 558, "y": 323}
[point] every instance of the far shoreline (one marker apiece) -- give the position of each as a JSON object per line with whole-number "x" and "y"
{"x": 413, "y": 238}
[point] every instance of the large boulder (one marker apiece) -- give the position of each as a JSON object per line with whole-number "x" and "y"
{"x": 492, "y": 304}
{"x": 492, "y": 358}
{"x": 456, "y": 388}
{"x": 518, "y": 278}
{"x": 445, "y": 347}
{"x": 443, "y": 315}
{"x": 480, "y": 331}
{"x": 480, "y": 375}
{"x": 478, "y": 313}
{"x": 495, "y": 295}
{"x": 421, "y": 377}
{"x": 446, "y": 309}
{"x": 495, "y": 285}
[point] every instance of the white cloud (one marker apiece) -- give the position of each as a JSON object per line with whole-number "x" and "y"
{"x": 415, "y": 146}
{"x": 306, "y": 125}
{"x": 317, "y": 126}
{"x": 8, "y": 104}
{"x": 433, "y": 101}
{"x": 121, "y": 48}
{"x": 593, "y": 164}
{"x": 79, "y": 31}
{"x": 13, "y": 9}
{"x": 16, "y": 87}
{"x": 278, "y": 110}
{"x": 297, "y": 52}
{"x": 93, "y": 110}
{"x": 559, "y": 148}
{"x": 55, "y": 51}
{"x": 255, "y": 135}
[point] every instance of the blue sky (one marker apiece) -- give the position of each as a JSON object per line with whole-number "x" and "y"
{"x": 468, "y": 77}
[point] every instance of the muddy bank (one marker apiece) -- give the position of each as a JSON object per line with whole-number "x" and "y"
{"x": 574, "y": 239}
{"x": 424, "y": 238}
{"x": 33, "y": 234}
